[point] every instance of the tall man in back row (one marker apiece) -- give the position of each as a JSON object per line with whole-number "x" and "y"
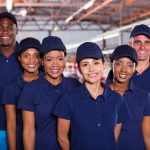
{"x": 140, "y": 41}
{"x": 9, "y": 65}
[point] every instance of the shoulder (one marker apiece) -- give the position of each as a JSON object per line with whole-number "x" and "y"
{"x": 110, "y": 94}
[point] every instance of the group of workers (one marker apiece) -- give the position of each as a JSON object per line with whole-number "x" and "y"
{"x": 40, "y": 109}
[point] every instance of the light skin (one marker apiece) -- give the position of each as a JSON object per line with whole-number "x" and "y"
{"x": 30, "y": 61}
{"x": 141, "y": 43}
{"x": 91, "y": 70}
{"x": 123, "y": 69}
{"x": 54, "y": 64}
{"x": 8, "y": 32}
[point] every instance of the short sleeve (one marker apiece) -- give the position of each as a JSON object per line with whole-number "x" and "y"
{"x": 123, "y": 112}
{"x": 147, "y": 106}
{"x": 9, "y": 96}
{"x": 27, "y": 100}
{"x": 64, "y": 108}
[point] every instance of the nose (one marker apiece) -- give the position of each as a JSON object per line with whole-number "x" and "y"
{"x": 55, "y": 62}
{"x": 91, "y": 68}
{"x": 123, "y": 68}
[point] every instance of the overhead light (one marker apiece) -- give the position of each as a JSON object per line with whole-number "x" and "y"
{"x": 86, "y": 6}
{"x": 9, "y": 5}
{"x": 89, "y": 4}
{"x": 68, "y": 19}
{"x": 23, "y": 12}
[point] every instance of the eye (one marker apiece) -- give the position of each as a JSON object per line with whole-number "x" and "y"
{"x": 84, "y": 65}
{"x": 137, "y": 42}
{"x": 25, "y": 55}
{"x": 130, "y": 65}
{"x": 37, "y": 56}
{"x": 60, "y": 58}
{"x": 147, "y": 42}
{"x": 96, "y": 63}
{"x": 48, "y": 59}
{"x": 117, "y": 64}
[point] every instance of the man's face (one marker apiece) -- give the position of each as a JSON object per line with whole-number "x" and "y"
{"x": 141, "y": 43}
{"x": 8, "y": 32}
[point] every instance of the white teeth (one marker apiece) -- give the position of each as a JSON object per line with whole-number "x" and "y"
{"x": 123, "y": 75}
{"x": 54, "y": 71}
{"x": 5, "y": 37}
{"x": 31, "y": 65}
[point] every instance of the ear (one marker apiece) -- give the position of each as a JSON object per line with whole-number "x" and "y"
{"x": 130, "y": 43}
{"x": 19, "y": 58}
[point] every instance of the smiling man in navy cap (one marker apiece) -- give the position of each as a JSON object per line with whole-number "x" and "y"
{"x": 140, "y": 40}
{"x": 8, "y": 63}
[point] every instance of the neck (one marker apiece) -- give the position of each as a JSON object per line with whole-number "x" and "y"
{"x": 7, "y": 50}
{"x": 28, "y": 77}
{"x": 142, "y": 66}
{"x": 119, "y": 87}
{"x": 53, "y": 81}
{"x": 95, "y": 89}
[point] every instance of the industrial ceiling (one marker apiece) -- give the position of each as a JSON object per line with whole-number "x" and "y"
{"x": 77, "y": 14}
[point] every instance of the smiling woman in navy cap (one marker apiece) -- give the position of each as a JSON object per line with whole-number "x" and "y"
{"x": 92, "y": 111}
{"x": 39, "y": 98}
{"x": 29, "y": 57}
{"x": 124, "y": 59}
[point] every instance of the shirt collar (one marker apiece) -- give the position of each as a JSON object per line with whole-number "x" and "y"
{"x": 86, "y": 94}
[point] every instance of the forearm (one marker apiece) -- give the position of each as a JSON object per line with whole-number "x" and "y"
{"x": 29, "y": 140}
{"x": 11, "y": 137}
{"x": 64, "y": 143}
{"x": 147, "y": 142}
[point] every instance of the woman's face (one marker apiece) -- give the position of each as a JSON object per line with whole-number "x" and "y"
{"x": 91, "y": 70}
{"x": 30, "y": 60}
{"x": 123, "y": 69}
{"x": 54, "y": 64}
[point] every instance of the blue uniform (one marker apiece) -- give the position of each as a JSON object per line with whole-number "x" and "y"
{"x": 10, "y": 69}
{"x": 142, "y": 80}
{"x": 11, "y": 94}
{"x": 92, "y": 121}
{"x": 40, "y": 97}
{"x": 138, "y": 103}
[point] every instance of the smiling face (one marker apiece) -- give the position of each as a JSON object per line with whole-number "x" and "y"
{"x": 8, "y": 32}
{"x": 91, "y": 70}
{"x": 141, "y": 43}
{"x": 30, "y": 60}
{"x": 123, "y": 69}
{"x": 54, "y": 64}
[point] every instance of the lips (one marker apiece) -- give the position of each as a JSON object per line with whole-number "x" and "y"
{"x": 31, "y": 66}
{"x": 93, "y": 75}
{"x": 123, "y": 76}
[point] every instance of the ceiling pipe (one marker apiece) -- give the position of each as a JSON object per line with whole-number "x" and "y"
{"x": 100, "y": 6}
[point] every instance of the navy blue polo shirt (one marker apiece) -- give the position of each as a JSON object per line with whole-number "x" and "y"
{"x": 92, "y": 121}
{"x": 142, "y": 80}
{"x": 11, "y": 94}
{"x": 40, "y": 97}
{"x": 10, "y": 69}
{"x": 138, "y": 102}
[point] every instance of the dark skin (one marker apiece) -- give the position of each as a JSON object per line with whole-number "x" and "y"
{"x": 8, "y": 32}
{"x": 123, "y": 69}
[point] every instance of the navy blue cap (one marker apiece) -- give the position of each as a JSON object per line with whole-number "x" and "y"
{"x": 124, "y": 51}
{"x": 29, "y": 43}
{"x": 51, "y": 43}
{"x": 8, "y": 15}
{"x": 88, "y": 50}
{"x": 141, "y": 29}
